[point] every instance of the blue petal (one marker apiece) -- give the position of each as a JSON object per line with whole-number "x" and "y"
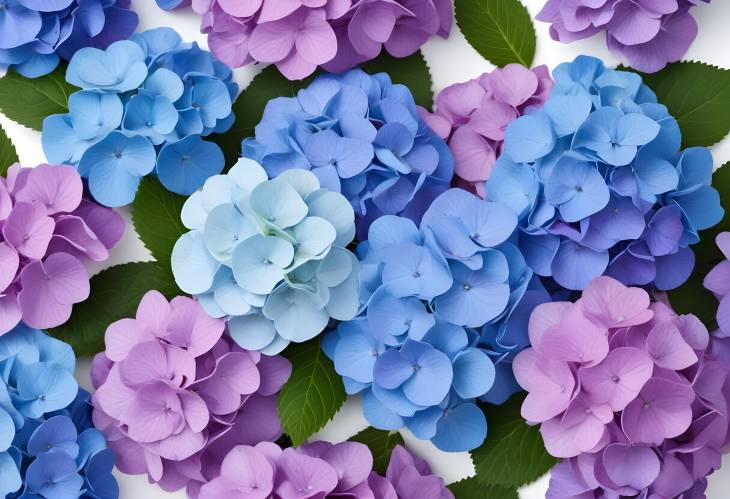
{"x": 44, "y": 388}
{"x": 473, "y": 373}
{"x": 378, "y": 415}
{"x": 529, "y": 138}
{"x": 193, "y": 266}
{"x": 462, "y": 428}
{"x": 423, "y": 424}
{"x": 252, "y": 332}
{"x": 574, "y": 266}
{"x": 567, "y": 112}
{"x": 57, "y": 433}
{"x": 432, "y": 379}
{"x": 184, "y": 166}
{"x": 10, "y": 480}
{"x": 53, "y": 474}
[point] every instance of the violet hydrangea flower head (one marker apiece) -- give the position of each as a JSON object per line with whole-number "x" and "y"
{"x": 601, "y": 185}
{"x": 174, "y": 393}
{"x": 472, "y": 116}
{"x": 300, "y": 35}
{"x": 48, "y": 231}
{"x": 322, "y": 470}
{"x": 718, "y": 281}
{"x": 441, "y": 322}
{"x": 269, "y": 255}
{"x": 648, "y": 34}
{"x": 143, "y": 107}
{"x": 627, "y": 391}
{"x": 35, "y": 36}
{"x": 362, "y": 136}
{"x": 48, "y": 445}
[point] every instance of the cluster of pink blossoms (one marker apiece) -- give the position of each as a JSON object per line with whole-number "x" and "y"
{"x": 300, "y": 35}
{"x": 626, "y": 389}
{"x": 174, "y": 393}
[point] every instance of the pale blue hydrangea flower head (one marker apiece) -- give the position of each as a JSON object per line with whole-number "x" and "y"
{"x": 269, "y": 254}
{"x": 143, "y": 107}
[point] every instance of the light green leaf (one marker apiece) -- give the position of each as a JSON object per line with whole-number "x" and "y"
{"x": 156, "y": 218}
{"x": 692, "y": 297}
{"x": 8, "y": 156}
{"x": 115, "y": 294}
{"x": 500, "y": 30}
{"x": 381, "y": 444}
{"x": 313, "y": 394}
{"x": 270, "y": 84}
{"x": 698, "y": 96}
{"x": 513, "y": 453}
{"x": 470, "y": 488}
{"x": 29, "y": 100}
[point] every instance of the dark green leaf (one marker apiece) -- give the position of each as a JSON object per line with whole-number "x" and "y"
{"x": 381, "y": 444}
{"x": 692, "y": 297}
{"x": 29, "y": 100}
{"x": 156, "y": 218}
{"x": 513, "y": 454}
{"x": 270, "y": 84}
{"x": 500, "y": 30}
{"x": 313, "y": 393}
{"x": 470, "y": 488}
{"x": 698, "y": 96}
{"x": 115, "y": 294}
{"x": 8, "y": 156}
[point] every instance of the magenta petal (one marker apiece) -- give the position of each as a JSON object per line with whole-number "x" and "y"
{"x": 245, "y": 470}
{"x": 57, "y": 187}
{"x": 190, "y": 327}
{"x": 29, "y": 229}
{"x": 544, "y": 317}
{"x": 667, "y": 347}
{"x": 513, "y": 84}
{"x": 151, "y": 361}
{"x": 662, "y": 410}
{"x": 121, "y": 336}
{"x": 153, "y": 312}
{"x": 615, "y": 305}
{"x": 575, "y": 339}
{"x": 550, "y": 385}
{"x": 272, "y": 41}
{"x": 154, "y": 413}
{"x": 473, "y": 155}
{"x": 618, "y": 379}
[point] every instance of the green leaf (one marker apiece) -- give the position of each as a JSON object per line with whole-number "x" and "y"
{"x": 8, "y": 156}
{"x": 29, "y": 100}
{"x": 692, "y": 297}
{"x": 115, "y": 294}
{"x": 698, "y": 96}
{"x": 500, "y": 30}
{"x": 156, "y": 218}
{"x": 270, "y": 84}
{"x": 471, "y": 488}
{"x": 381, "y": 444}
{"x": 513, "y": 453}
{"x": 313, "y": 394}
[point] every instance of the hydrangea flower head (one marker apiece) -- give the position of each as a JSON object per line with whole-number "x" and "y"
{"x": 601, "y": 185}
{"x": 300, "y": 35}
{"x": 48, "y": 230}
{"x": 441, "y": 322}
{"x": 718, "y": 281}
{"x": 323, "y": 470}
{"x": 472, "y": 117}
{"x": 35, "y": 36}
{"x": 143, "y": 107}
{"x": 48, "y": 445}
{"x": 648, "y": 34}
{"x": 627, "y": 391}
{"x": 361, "y": 135}
{"x": 269, "y": 255}
{"x": 174, "y": 393}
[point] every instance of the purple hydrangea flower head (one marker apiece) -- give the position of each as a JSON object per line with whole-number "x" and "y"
{"x": 441, "y": 321}
{"x": 361, "y": 135}
{"x": 472, "y": 117}
{"x": 49, "y": 230}
{"x": 648, "y": 34}
{"x": 322, "y": 470}
{"x": 601, "y": 185}
{"x": 35, "y": 36}
{"x": 718, "y": 281}
{"x": 48, "y": 445}
{"x": 174, "y": 393}
{"x": 301, "y": 35}
{"x": 143, "y": 107}
{"x": 628, "y": 392}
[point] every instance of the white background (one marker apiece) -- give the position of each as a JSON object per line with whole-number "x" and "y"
{"x": 450, "y": 61}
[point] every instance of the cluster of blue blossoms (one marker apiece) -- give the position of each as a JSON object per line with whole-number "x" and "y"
{"x": 362, "y": 136}
{"x": 34, "y": 35}
{"x": 600, "y": 183}
{"x": 48, "y": 445}
{"x": 444, "y": 312}
{"x": 145, "y": 103}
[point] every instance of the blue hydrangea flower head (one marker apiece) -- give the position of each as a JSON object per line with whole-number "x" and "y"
{"x": 361, "y": 135}
{"x": 443, "y": 314}
{"x": 601, "y": 185}
{"x": 269, "y": 254}
{"x": 48, "y": 445}
{"x": 144, "y": 107}
{"x": 36, "y": 35}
